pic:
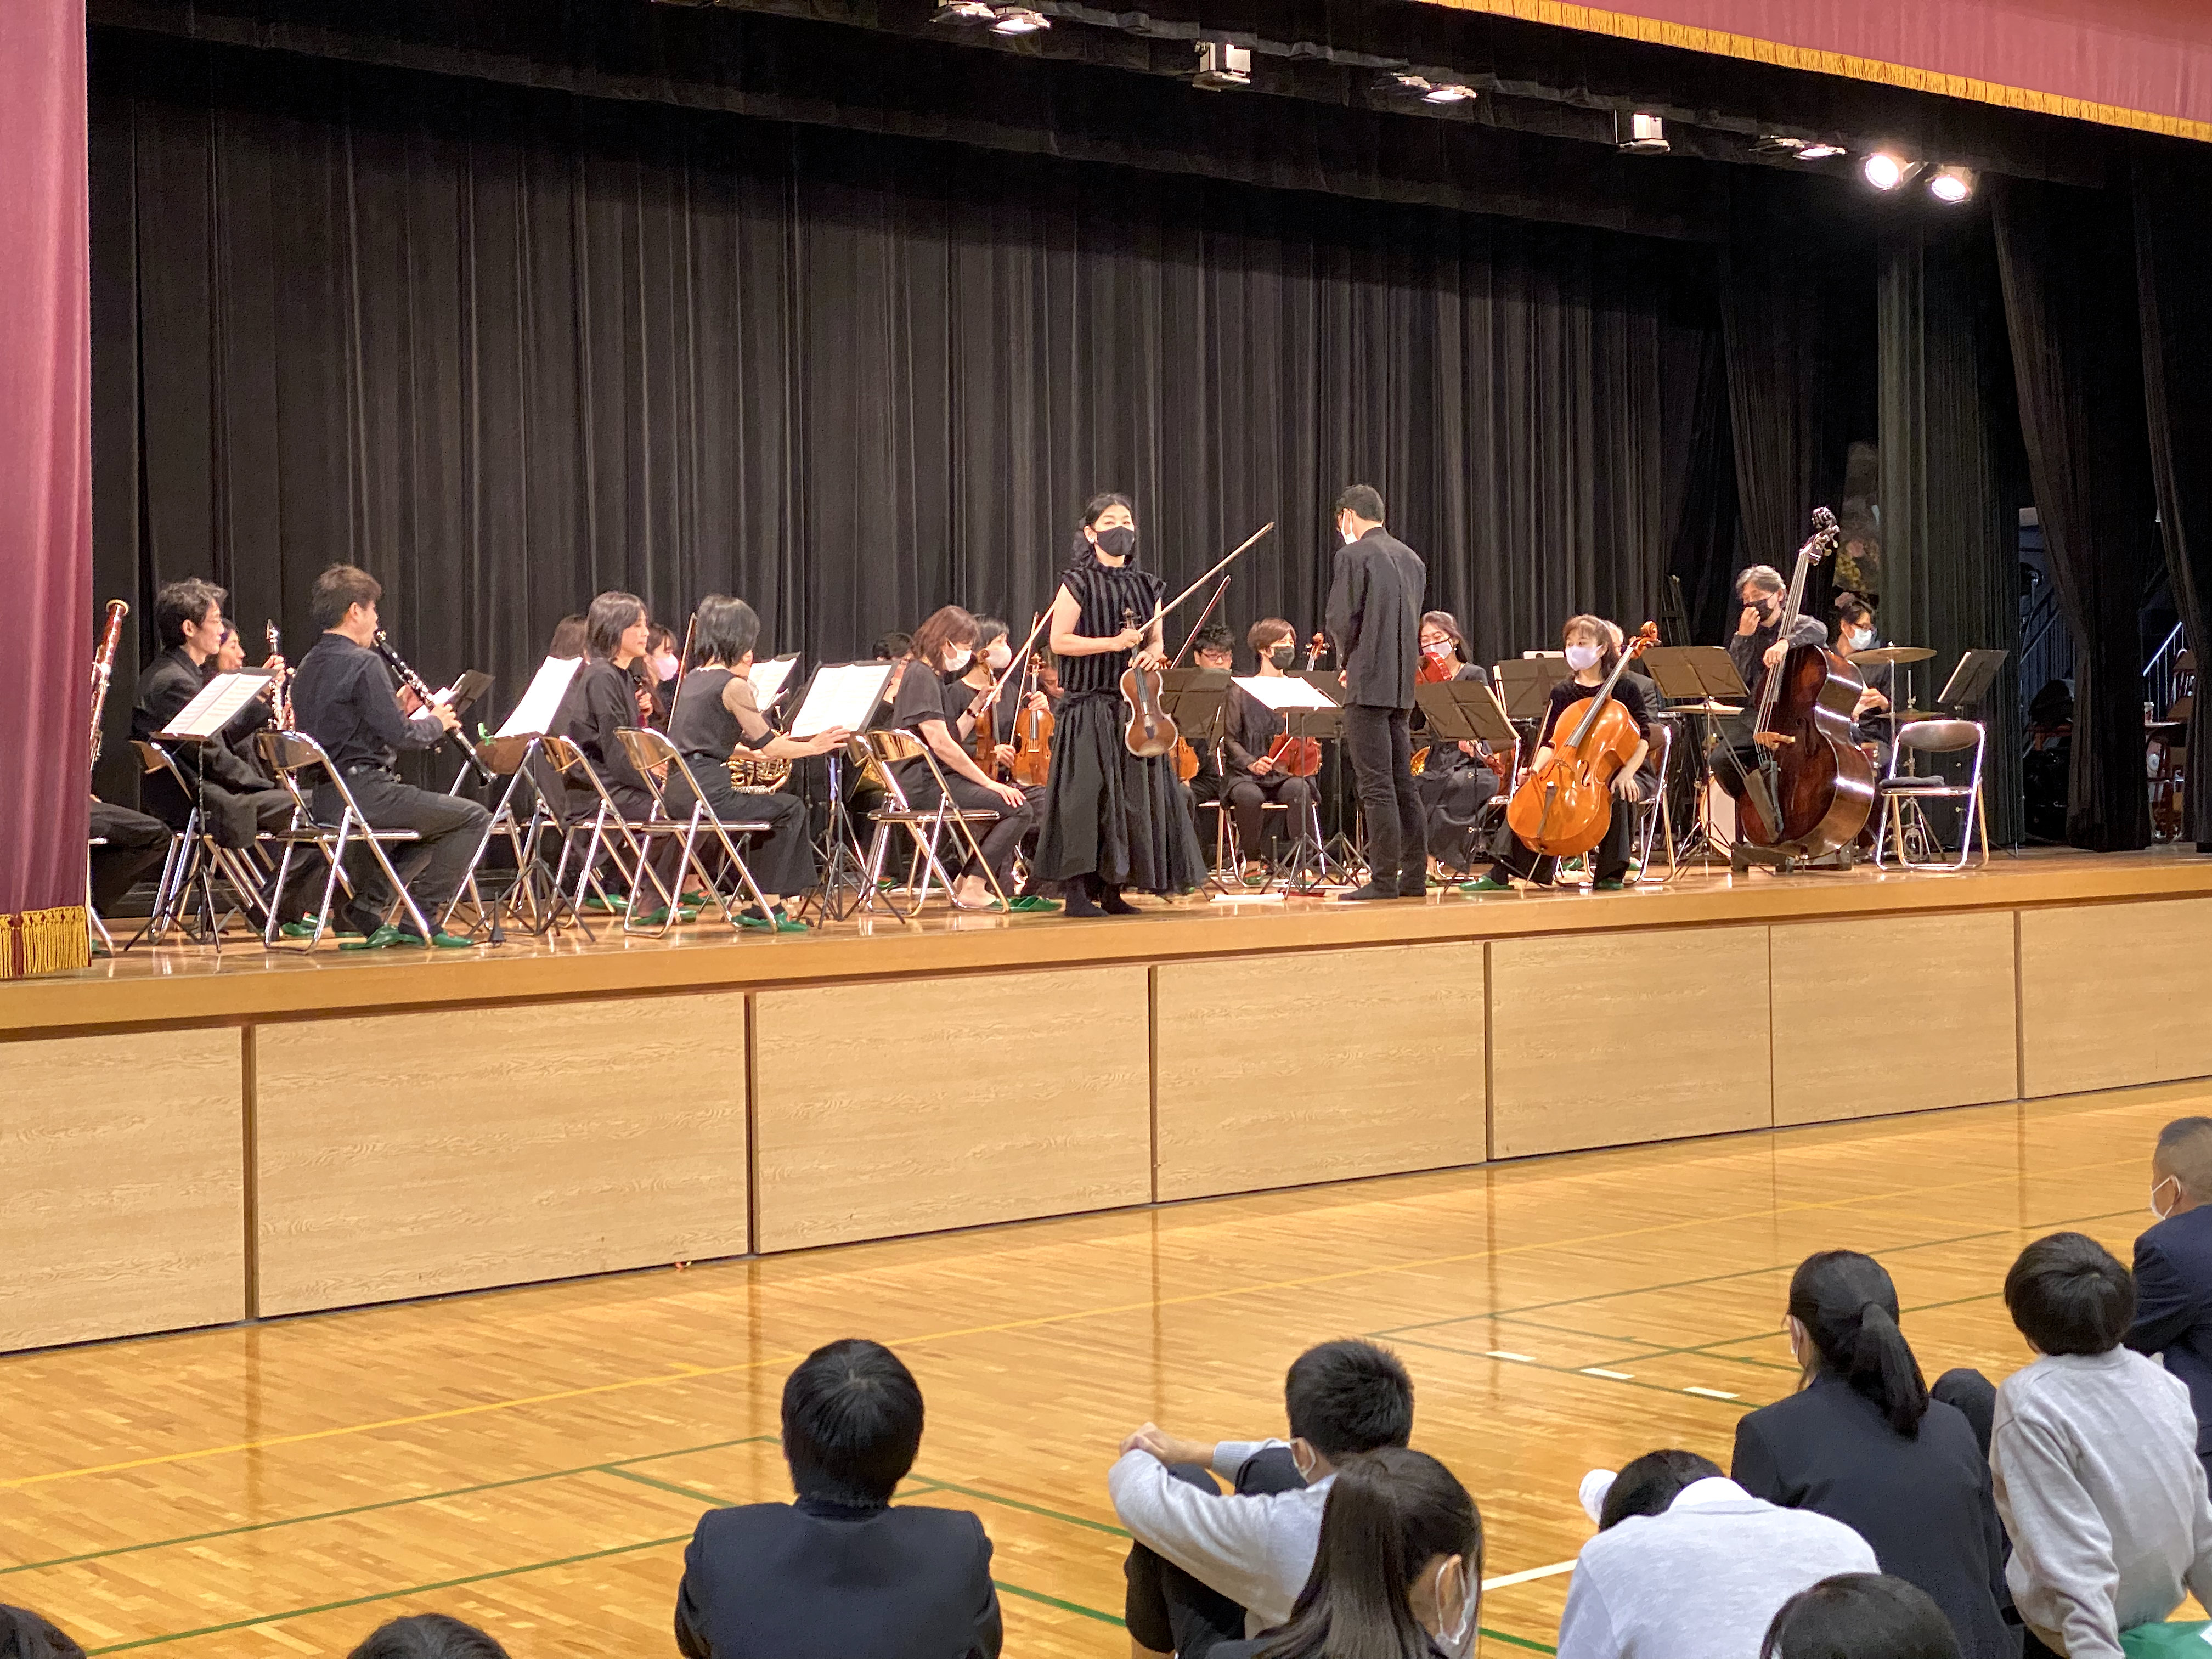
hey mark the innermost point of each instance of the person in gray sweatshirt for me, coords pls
(2093, 1457)
(1687, 1564)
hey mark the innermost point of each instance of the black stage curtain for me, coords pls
(2174, 250)
(2067, 261)
(506, 347)
(1950, 514)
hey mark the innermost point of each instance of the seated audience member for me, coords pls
(839, 1573)
(1862, 1442)
(1398, 1574)
(2174, 1267)
(1687, 1564)
(1209, 1567)
(26, 1634)
(428, 1635)
(2094, 1454)
(1861, 1615)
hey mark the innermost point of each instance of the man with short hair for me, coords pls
(1760, 641)
(1256, 778)
(2093, 1455)
(1209, 1568)
(839, 1573)
(1213, 648)
(2174, 1267)
(1375, 616)
(344, 698)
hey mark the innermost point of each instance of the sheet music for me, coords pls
(533, 716)
(1284, 694)
(219, 700)
(843, 696)
(771, 679)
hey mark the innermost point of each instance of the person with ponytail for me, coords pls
(1861, 1442)
(1398, 1573)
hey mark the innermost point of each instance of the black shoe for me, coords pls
(1412, 887)
(1111, 901)
(1078, 902)
(1371, 891)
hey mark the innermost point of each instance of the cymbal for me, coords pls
(1893, 653)
(1708, 707)
(1906, 716)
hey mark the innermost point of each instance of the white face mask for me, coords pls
(1860, 638)
(1458, 1642)
(1344, 528)
(957, 659)
(1582, 657)
(998, 656)
(2163, 1181)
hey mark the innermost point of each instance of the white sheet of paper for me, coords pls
(219, 700)
(533, 715)
(1286, 693)
(769, 680)
(843, 695)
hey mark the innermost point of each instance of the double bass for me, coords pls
(1810, 789)
(1564, 806)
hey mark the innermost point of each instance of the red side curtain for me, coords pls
(45, 487)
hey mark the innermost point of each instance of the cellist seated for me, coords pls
(1592, 656)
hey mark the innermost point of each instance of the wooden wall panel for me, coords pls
(906, 1107)
(124, 1207)
(1318, 1065)
(408, 1154)
(2116, 995)
(1919, 1012)
(1627, 1038)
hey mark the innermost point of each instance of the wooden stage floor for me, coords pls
(534, 1459)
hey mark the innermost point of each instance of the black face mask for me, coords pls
(1118, 543)
(1284, 655)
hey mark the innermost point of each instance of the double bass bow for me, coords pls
(1565, 804)
(1809, 788)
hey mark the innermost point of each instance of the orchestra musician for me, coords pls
(1112, 819)
(1255, 778)
(1591, 657)
(1856, 632)
(715, 713)
(1454, 783)
(938, 707)
(1373, 615)
(659, 667)
(344, 698)
(1213, 648)
(602, 699)
(1761, 642)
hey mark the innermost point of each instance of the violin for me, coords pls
(1186, 758)
(1432, 672)
(1151, 734)
(1565, 806)
(1032, 732)
(986, 740)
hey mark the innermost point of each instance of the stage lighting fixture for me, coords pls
(1952, 184)
(1640, 134)
(1447, 92)
(964, 12)
(1819, 152)
(1885, 171)
(1019, 20)
(1801, 149)
(1222, 66)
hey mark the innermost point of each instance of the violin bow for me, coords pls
(1250, 541)
(1193, 636)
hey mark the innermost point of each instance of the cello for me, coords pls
(1810, 789)
(1564, 806)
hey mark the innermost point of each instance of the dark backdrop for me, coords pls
(506, 347)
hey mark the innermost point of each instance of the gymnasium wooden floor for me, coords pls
(533, 1460)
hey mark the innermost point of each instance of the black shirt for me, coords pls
(1103, 593)
(602, 702)
(342, 697)
(1566, 694)
(1253, 727)
(1748, 650)
(173, 680)
(1375, 617)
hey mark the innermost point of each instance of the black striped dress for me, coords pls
(1107, 811)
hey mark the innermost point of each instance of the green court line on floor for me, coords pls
(1032, 1509)
(613, 1468)
(1578, 1370)
(1518, 1641)
(1113, 1618)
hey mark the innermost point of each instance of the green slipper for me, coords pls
(382, 939)
(442, 939)
(298, 929)
(1483, 885)
(1031, 902)
(1610, 884)
(612, 905)
(779, 922)
(655, 918)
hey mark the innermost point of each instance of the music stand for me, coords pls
(1465, 711)
(852, 696)
(199, 723)
(1703, 674)
(1970, 680)
(1524, 686)
(1197, 701)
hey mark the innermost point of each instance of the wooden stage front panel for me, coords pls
(192, 1138)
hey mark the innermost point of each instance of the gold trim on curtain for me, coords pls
(44, 942)
(1657, 32)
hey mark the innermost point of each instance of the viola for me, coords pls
(1151, 734)
(1565, 806)
(1433, 671)
(987, 739)
(1032, 732)
(1186, 760)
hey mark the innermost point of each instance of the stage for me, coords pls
(199, 1138)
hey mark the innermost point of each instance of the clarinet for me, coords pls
(280, 697)
(103, 667)
(415, 683)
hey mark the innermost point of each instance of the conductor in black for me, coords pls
(1375, 617)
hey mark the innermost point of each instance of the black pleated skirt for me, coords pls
(1108, 812)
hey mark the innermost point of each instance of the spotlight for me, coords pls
(1222, 66)
(1885, 171)
(1819, 152)
(1953, 185)
(1019, 20)
(1801, 149)
(1641, 134)
(963, 12)
(1447, 92)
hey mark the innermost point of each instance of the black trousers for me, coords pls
(783, 861)
(1169, 1611)
(1609, 859)
(136, 845)
(1247, 796)
(451, 827)
(1451, 798)
(1001, 840)
(1378, 742)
